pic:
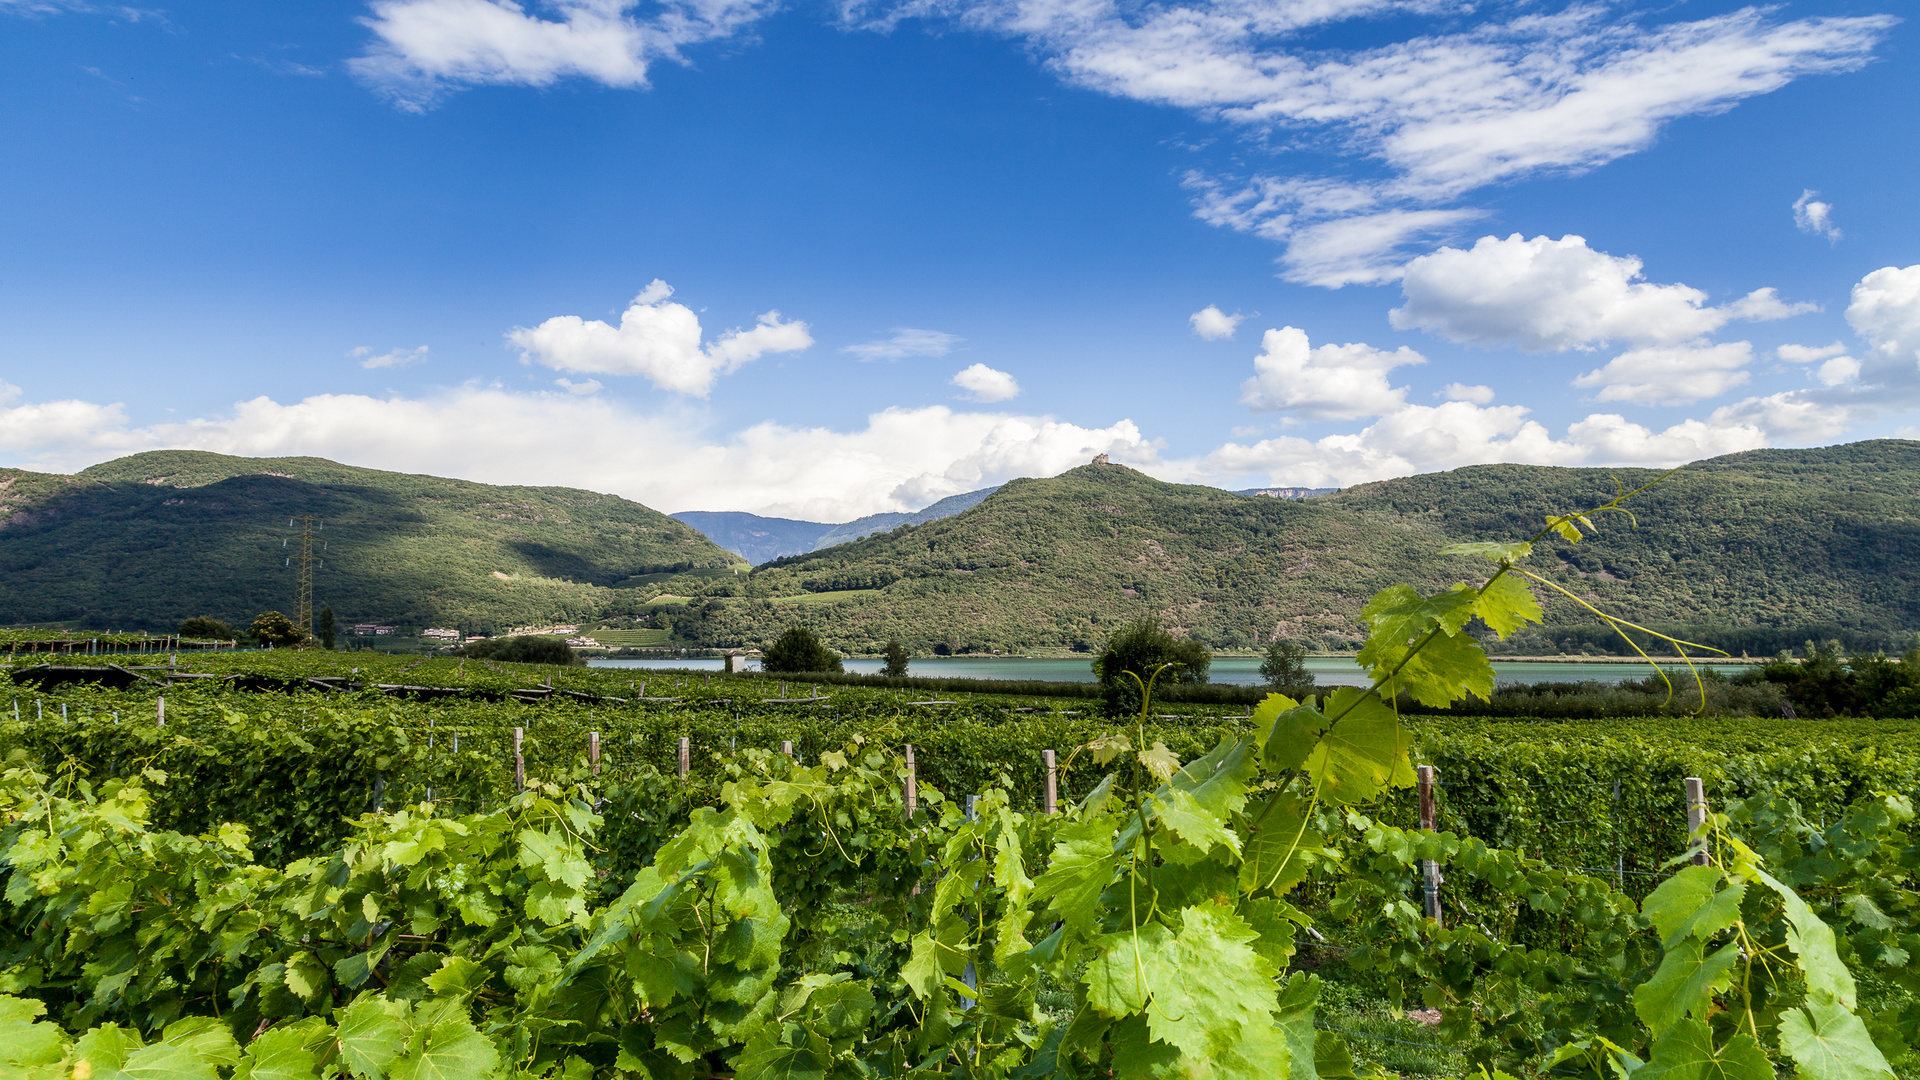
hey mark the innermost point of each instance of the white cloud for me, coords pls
(902, 459)
(657, 339)
(1332, 382)
(422, 48)
(1213, 324)
(1552, 295)
(1805, 354)
(1444, 110)
(390, 358)
(1886, 311)
(1671, 375)
(1479, 395)
(1813, 216)
(906, 342)
(1838, 371)
(590, 386)
(984, 384)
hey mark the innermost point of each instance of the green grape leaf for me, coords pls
(1829, 1042)
(767, 1058)
(1218, 779)
(279, 1053)
(1506, 605)
(921, 973)
(104, 1050)
(1687, 903)
(1298, 996)
(1363, 753)
(449, 1050)
(457, 977)
(1137, 1055)
(1565, 527)
(30, 1049)
(206, 1037)
(1117, 978)
(1201, 830)
(1686, 1052)
(370, 1036)
(1812, 941)
(1082, 866)
(1274, 855)
(1232, 1004)
(1506, 554)
(1291, 733)
(1107, 747)
(1685, 983)
(306, 976)
(842, 1008)
(1159, 762)
(163, 1061)
(1417, 641)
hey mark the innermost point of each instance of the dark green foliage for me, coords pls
(524, 649)
(1286, 665)
(797, 649)
(1148, 650)
(326, 628)
(897, 657)
(131, 543)
(1828, 683)
(206, 628)
(273, 629)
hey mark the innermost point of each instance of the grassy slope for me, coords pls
(1785, 538)
(144, 540)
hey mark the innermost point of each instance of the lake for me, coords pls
(1230, 670)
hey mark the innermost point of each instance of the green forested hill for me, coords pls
(1755, 550)
(145, 540)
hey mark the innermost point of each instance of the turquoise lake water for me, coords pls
(1232, 670)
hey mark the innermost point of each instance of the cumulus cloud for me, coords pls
(1814, 216)
(1332, 382)
(657, 339)
(1545, 295)
(984, 384)
(906, 342)
(390, 358)
(1671, 375)
(1886, 312)
(1213, 324)
(1479, 395)
(423, 48)
(900, 459)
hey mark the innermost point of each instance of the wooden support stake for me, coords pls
(1696, 817)
(519, 759)
(786, 747)
(1429, 870)
(1050, 802)
(911, 794)
(686, 756)
(160, 709)
(593, 751)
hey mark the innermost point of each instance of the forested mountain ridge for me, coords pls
(145, 540)
(763, 539)
(1758, 548)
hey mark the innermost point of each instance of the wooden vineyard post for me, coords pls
(686, 756)
(593, 751)
(911, 792)
(1429, 870)
(1050, 800)
(160, 711)
(786, 747)
(430, 735)
(1696, 817)
(519, 759)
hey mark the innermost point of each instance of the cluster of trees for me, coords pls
(523, 649)
(1830, 683)
(269, 628)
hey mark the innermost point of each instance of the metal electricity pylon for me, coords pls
(307, 560)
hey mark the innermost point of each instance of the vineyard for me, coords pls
(303, 864)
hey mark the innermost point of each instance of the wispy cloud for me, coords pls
(1811, 215)
(905, 342)
(390, 358)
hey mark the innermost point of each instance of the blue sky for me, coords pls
(823, 260)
